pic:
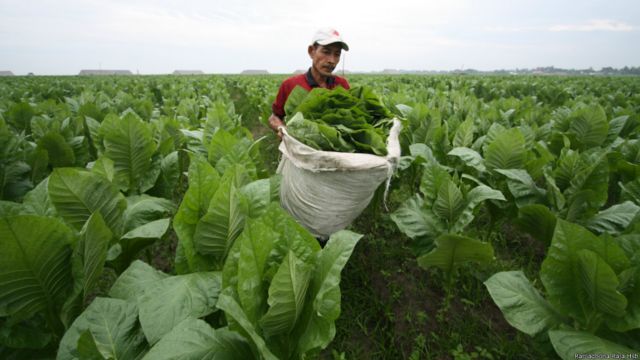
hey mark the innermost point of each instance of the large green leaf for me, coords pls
(449, 203)
(128, 142)
(90, 254)
(589, 125)
(228, 304)
(137, 239)
(506, 151)
(113, 324)
(203, 183)
(415, 221)
(561, 274)
(223, 222)
(464, 134)
(521, 304)
(164, 304)
(255, 244)
(35, 271)
(317, 328)
(432, 178)
(470, 157)
(37, 201)
(60, 154)
(286, 296)
(142, 209)
(259, 194)
(569, 344)
(600, 283)
(590, 182)
(453, 250)
(194, 339)
(538, 221)
(631, 320)
(522, 187)
(615, 219)
(477, 195)
(133, 281)
(104, 166)
(77, 194)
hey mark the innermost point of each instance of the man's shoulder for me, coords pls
(294, 80)
(342, 81)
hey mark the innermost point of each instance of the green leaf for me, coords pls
(449, 203)
(166, 303)
(255, 244)
(258, 195)
(538, 221)
(142, 209)
(220, 226)
(37, 201)
(415, 221)
(139, 238)
(317, 327)
(203, 183)
(194, 339)
(128, 142)
(453, 250)
(522, 305)
(615, 219)
(464, 134)
(77, 194)
(433, 177)
(563, 277)
(474, 198)
(631, 320)
(589, 125)
(105, 167)
(571, 343)
(297, 95)
(91, 252)
(522, 186)
(600, 283)
(506, 151)
(232, 309)
(133, 281)
(35, 271)
(60, 154)
(88, 348)
(286, 296)
(114, 326)
(470, 157)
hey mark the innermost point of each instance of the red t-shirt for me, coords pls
(307, 82)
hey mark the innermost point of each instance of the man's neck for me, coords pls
(320, 79)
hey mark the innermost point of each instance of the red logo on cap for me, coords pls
(336, 33)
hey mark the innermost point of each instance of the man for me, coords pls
(324, 51)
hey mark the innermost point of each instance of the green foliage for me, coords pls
(341, 120)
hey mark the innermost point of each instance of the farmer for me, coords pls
(324, 51)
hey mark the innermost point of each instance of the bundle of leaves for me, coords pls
(341, 120)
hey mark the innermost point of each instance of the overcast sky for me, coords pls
(150, 37)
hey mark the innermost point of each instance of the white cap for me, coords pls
(326, 36)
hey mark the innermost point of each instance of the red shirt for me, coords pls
(305, 80)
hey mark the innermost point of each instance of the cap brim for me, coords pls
(327, 42)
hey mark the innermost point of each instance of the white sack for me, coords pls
(325, 190)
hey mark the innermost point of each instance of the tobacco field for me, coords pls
(140, 219)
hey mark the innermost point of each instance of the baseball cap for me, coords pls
(326, 36)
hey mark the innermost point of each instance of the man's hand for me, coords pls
(276, 124)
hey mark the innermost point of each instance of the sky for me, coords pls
(155, 37)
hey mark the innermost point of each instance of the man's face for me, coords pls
(325, 58)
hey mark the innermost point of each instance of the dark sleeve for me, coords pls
(278, 104)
